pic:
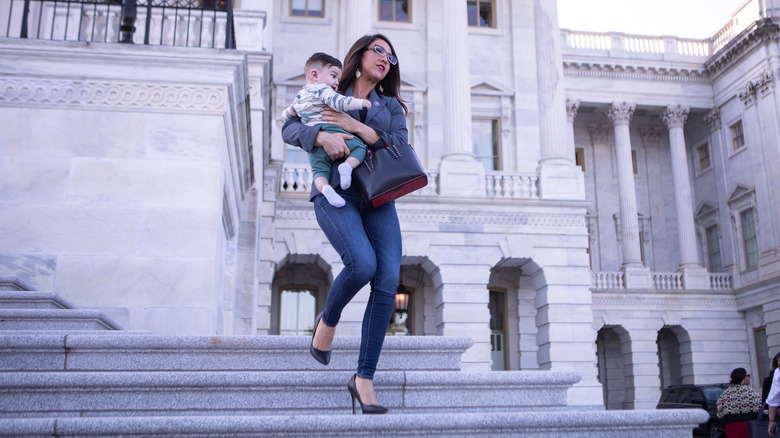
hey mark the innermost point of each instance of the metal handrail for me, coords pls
(189, 23)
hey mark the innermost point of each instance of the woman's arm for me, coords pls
(383, 130)
(308, 137)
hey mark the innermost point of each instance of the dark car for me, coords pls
(692, 397)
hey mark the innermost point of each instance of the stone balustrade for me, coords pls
(616, 43)
(662, 281)
(296, 178)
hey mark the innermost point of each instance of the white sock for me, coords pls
(333, 198)
(345, 175)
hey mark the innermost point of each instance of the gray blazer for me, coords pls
(386, 117)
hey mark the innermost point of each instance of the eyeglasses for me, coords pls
(382, 52)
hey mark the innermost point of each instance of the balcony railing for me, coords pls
(297, 178)
(190, 23)
(619, 43)
(662, 281)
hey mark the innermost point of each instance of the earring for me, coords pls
(357, 73)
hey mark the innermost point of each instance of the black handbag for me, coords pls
(389, 173)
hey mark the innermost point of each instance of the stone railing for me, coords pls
(511, 185)
(668, 281)
(608, 281)
(662, 281)
(721, 282)
(615, 43)
(297, 178)
(739, 21)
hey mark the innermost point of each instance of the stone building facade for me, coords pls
(604, 203)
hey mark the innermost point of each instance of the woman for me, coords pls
(367, 239)
(738, 404)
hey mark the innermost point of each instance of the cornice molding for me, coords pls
(615, 70)
(608, 300)
(761, 31)
(58, 92)
(460, 218)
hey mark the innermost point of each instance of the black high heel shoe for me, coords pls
(320, 356)
(367, 409)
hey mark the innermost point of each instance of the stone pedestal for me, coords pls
(461, 177)
(637, 277)
(696, 278)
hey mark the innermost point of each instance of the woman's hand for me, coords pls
(347, 123)
(340, 119)
(334, 144)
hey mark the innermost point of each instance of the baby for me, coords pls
(322, 79)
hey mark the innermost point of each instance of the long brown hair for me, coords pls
(389, 86)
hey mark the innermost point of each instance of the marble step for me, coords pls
(55, 319)
(667, 423)
(14, 299)
(119, 351)
(156, 393)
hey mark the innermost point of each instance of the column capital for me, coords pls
(675, 115)
(620, 113)
(572, 106)
(712, 119)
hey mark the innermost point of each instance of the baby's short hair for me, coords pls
(321, 60)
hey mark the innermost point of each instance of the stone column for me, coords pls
(459, 173)
(636, 275)
(620, 114)
(356, 18)
(674, 117)
(559, 178)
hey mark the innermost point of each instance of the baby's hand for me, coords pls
(366, 104)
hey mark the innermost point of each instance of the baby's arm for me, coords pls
(289, 113)
(339, 102)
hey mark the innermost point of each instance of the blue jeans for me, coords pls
(369, 243)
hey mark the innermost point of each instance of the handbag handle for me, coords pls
(392, 149)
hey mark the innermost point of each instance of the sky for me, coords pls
(683, 18)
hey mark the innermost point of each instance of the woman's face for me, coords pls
(374, 65)
(746, 380)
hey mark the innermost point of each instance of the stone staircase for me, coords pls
(62, 378)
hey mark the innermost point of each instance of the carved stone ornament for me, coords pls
(765, 82)
(598, 133)
(712, 119)
(675, 115)
(651, 135)
(111, 94)
(620, 113)
(572, 106)
(748, 96)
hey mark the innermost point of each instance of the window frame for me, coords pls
(710, 253)
(700, 158)
(312, 289)
(306, 14)
(741, 136)
(746, 252)
(494, 15)
(496, 143)
(579, 158)
(394, 21)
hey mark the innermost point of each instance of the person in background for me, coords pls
(738, 404)
(773, 395)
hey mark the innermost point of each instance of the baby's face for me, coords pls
(330, 76)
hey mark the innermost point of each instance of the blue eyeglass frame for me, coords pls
(379, 50)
